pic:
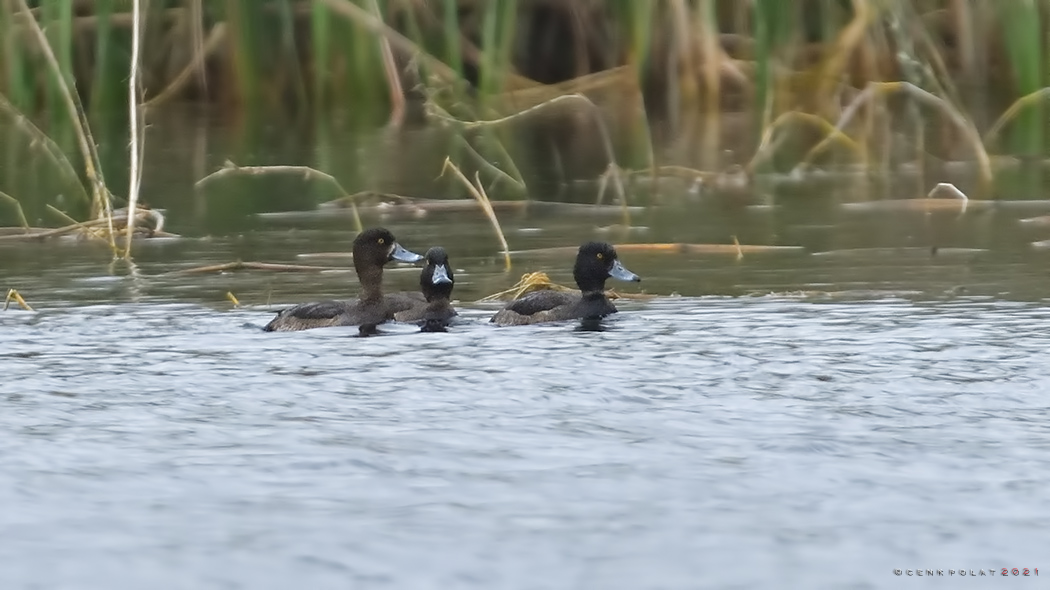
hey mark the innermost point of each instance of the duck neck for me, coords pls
(371, 279)
(591, 289)
(593, 294)
(594, 304)
(437, 293)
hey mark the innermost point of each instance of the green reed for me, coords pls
(496, 39)
(58, 19)
(321, 57)
(272, 68)
(247, 56)
(17, 82)
(1021, 23)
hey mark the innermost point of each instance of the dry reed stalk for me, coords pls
(842, 49)
(13, 295)
(947, 190)
(40, 234)
(489, 167)
(736, 249)
(831, 132)
(539, 281)
(681, 70)
(18, 209)
(396, 40)
(478, 192)
(213, 42)
(713, 55)
(92, 165)
(1012, 112)
(200, 45)
(964, 28)
(531, 281)
(239, 265)
(393, 79)
(134, 172)
(536, 94)
(87, 227)
(612, 170)
(876, 89)
(50, 148)
(504, 156)
(308, 173)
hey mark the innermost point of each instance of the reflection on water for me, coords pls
(809, 418)
(692, 443)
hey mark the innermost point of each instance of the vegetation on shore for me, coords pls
(869, 84)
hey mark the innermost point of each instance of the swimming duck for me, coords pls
(435, 283)
(372, 249)
(595, 262)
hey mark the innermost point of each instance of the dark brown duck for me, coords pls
(436, 281)
(372, 249)
(595, 262)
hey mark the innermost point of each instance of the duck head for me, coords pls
(372, 249)
(596, 262)
(436, 280)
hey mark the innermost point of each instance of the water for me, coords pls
(810, 419)
(717, 443)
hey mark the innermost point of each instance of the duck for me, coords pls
(372, 249)
(435, 283)
(595, 262)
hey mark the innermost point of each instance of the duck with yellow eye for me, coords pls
(372, 249)
(595, 262)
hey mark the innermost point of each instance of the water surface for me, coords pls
(692, 443)
(818, 418)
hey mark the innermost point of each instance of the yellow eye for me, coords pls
(601, 256)
(381, 241)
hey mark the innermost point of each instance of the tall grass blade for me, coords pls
(1021, 22)
(321, 40)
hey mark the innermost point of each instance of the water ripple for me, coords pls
(760, 442)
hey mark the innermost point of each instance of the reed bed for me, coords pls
(824, 84)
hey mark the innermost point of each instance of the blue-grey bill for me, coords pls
(401, 255)
(440, 275)
(619, 272)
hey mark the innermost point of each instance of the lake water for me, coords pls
(812, 419)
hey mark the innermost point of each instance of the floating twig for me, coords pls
(539, 281)
(735, 249)
(84, 227)
(88, 226)
(13, 295)
(239, 265)
(529, 282)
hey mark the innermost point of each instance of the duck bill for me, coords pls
(619, 272)
(401, 255)
(441, 275)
